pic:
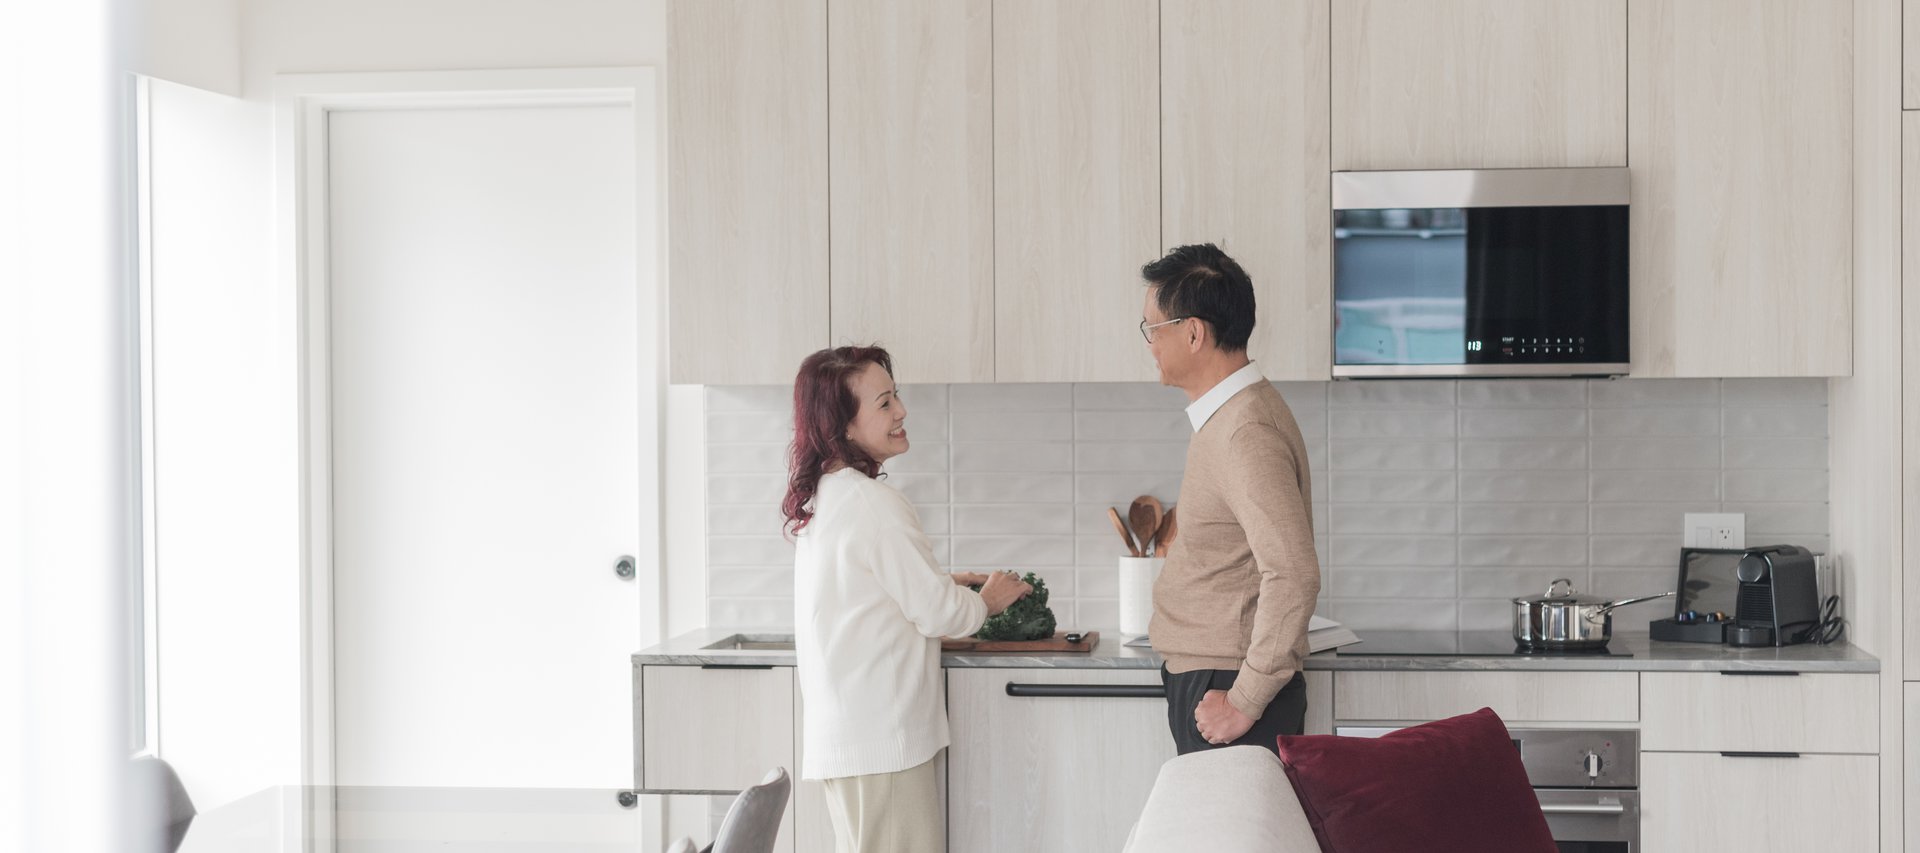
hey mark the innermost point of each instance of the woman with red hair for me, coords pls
(870, 607)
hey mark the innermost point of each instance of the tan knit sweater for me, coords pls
(1240, 581)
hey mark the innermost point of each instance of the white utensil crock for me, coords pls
(1137, 575)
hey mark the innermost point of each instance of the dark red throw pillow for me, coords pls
(1449, 785)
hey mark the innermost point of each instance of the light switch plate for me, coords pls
(1714, 530)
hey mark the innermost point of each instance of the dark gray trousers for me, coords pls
(1285, 715)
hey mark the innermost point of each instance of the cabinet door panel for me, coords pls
(747, 188)
(1910, 377)
(1319, 703)
(1076, 200)
(714, 729)
(1706, 801)
(911, 94)
(1740, 137)
(1515, 696)
(1479, 84)
(1243, 131)
(1911, 51)
(1912, 774)
(1046, 773)
(1710, 711)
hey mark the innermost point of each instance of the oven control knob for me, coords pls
(1593, 764)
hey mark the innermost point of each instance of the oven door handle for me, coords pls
(1583, 808)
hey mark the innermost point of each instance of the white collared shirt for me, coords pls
(1202, 409)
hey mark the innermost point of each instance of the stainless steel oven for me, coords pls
(1587, 781)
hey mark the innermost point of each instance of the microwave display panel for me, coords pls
(1497, 286)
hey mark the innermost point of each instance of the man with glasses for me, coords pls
(1231, 607)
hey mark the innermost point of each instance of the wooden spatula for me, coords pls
(1124, 535)
(1144, 516)
(1169, 528)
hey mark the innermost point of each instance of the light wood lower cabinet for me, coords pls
(1518, 697)
(1807, 712)
(1692, 801)
(720, 730)
(1319, 703)
(1060, 774)
(714, 729)
(1911, 790)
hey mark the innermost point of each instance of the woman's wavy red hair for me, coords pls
(823, 406)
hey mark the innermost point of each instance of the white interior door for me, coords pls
(485, 353)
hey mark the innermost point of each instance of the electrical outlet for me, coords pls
(1714, 530)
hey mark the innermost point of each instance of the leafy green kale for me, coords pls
(1026, 619)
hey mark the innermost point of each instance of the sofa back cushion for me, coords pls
(1229, 800)
(1450, 785)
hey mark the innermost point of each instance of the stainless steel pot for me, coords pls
(1569, 620)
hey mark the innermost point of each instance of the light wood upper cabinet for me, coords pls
(1910, 14)
(1479, 84)
(911, 140)
(1243, 136)
(1741, 144)
(1076, 202)
(1910, 380)
(747, 188)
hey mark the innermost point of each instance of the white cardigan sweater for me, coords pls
(870, 606)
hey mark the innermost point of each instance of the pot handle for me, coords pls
(1556, 584)
(1626, 601)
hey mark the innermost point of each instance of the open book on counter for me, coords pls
(1322, 634)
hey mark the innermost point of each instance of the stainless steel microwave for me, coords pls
(1480, 272)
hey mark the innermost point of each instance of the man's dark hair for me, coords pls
(1201, 281)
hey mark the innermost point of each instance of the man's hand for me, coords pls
(969, 578)
(1217, 720)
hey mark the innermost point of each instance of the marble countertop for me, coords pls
(690, 649)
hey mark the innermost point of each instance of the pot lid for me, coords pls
(1561, 591)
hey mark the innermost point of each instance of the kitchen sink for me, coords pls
(753, 643)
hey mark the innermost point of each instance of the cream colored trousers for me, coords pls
(895, 812)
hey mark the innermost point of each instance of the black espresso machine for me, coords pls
(1767, 596)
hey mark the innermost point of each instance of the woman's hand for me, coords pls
(1002, 589)
(969, 578)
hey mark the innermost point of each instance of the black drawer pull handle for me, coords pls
(736, 666)
(1758, 672)
(1087, 691)
(1759, 755)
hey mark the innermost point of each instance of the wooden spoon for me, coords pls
(1124, 535)
(1144, 515)
(1169, 528)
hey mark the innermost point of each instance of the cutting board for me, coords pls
(1058, 643)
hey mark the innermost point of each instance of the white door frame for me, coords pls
(303, 103)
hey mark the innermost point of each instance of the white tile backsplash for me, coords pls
(1434, 501)
(1802, 453)
(1639, 423)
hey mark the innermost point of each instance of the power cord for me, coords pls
(1830, 626)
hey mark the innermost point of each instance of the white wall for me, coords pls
(192, 42)
(227, 501)
(67, 436)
